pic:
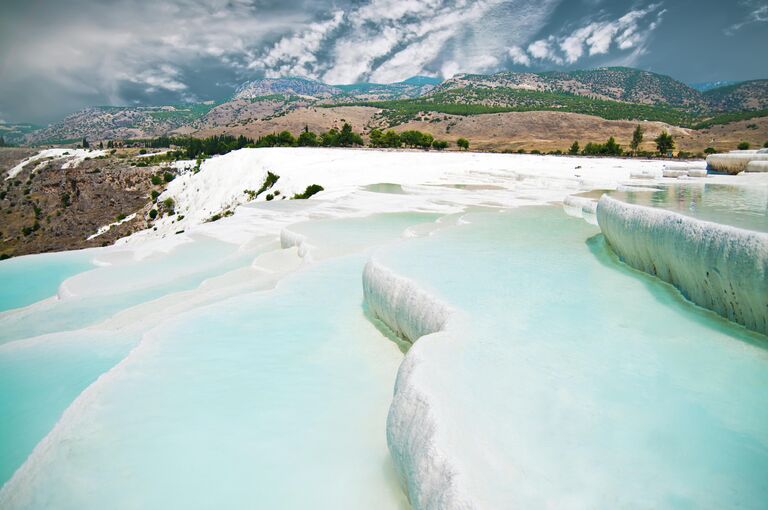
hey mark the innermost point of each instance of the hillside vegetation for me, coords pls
(610, 93)
(614, 93)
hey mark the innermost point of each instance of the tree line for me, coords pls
(193, 148)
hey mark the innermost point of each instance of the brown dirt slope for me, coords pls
(316, 119)
(55, 209)
(544, 131)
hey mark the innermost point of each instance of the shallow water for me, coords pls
(38, 380)
(25, 280)
(570, 381)
(238, 403)
(385, 187)
(740, 206)
(268, 400)
(104, 291)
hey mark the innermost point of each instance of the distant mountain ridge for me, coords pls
(307, 88)
(746, 95)
(709, 85)
(16, 133)
(610, 93)
(610, 83)
(119, 122)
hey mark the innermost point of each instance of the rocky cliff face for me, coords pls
(50, 208)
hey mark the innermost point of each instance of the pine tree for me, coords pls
(637, 138)
(611, 148)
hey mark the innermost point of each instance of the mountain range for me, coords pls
(614, 93)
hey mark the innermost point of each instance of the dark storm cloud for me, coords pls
(56, 57)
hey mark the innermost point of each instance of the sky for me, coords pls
(58, 56)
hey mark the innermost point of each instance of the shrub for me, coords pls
(710, 150)
(765, 145)
(311, 190)
(168, 177)
(391, 139)
(153, 214)
(308, 139)
(168, 206)
(154, 194)
(439, 145)
(592, 149)
(462, 143)
(743, 146)
(609, 148)
(286, 139)
(664, 143)
(521, 151)
(156, 180)
(330, 138)
(269, 181)
(574, 150)
(120, 217)
(269, 197)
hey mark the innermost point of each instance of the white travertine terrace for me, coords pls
(734, 162)
(719, 267)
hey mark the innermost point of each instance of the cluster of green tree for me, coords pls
(411, 138)
(345, 137)
(217, 144)
(192, 148)
(609, 148)
(664, 144)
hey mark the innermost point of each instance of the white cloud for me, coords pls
(629, 32)
(573, 45)
(543, 50)
(390, 40)
(295, 55)
(757, 13)
(519, 56)
(163, 77)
